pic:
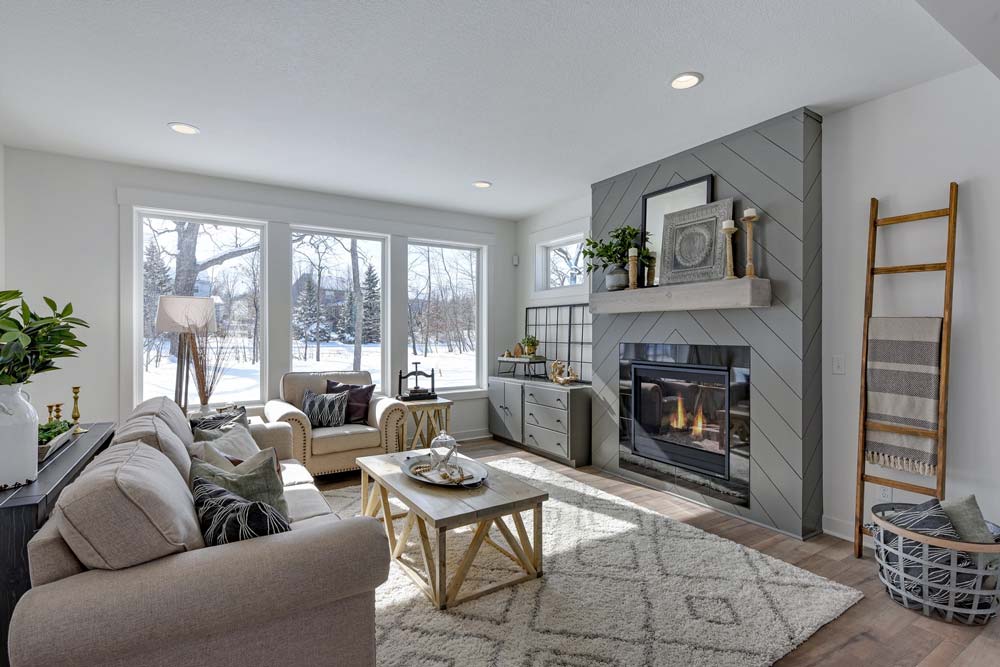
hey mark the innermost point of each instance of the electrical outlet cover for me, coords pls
(838, 365)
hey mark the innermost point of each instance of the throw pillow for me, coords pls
(226, 517)
(325, 409)
(968, 520)
(359, 397)
(230, 463)
(220, 420)
(235, 442)
(254, 479)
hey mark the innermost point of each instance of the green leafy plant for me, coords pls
(30, 343)
(529, 341)
(602, 254)
(47, 432)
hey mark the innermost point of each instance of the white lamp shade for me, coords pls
(180, 314)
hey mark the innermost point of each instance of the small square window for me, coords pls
(564, 264)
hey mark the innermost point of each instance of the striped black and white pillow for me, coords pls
(325, 409)
(928, 518)
(220, 420)
(226, 517)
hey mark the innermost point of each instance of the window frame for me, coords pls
(482, 344)
(136, 272)
(540, 281)
(384, 386)
(547, 268)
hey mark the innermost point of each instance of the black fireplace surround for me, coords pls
(685, 416)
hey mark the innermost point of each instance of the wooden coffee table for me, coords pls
(435, 510)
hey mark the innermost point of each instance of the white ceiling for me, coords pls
(412, 101)
(975, 23)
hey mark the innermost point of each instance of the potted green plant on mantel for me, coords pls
(29, 344)
(611, 256)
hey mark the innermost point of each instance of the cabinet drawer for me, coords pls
(550, 418)
(544, 439)
(553, 398)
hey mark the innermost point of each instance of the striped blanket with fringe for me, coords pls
(904, 367)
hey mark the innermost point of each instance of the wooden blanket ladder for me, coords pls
(940, 435)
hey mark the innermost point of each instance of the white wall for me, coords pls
(3, 224)
(555, 222)
(904, 149)
(63, 238)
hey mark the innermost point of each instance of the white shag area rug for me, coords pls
(623, 585)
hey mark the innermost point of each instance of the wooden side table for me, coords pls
(429, 418)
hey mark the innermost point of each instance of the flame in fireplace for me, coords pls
(699, 423)
(679, 419)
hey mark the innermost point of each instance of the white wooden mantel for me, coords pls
(714, 295)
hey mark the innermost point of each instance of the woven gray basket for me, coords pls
(951, 579)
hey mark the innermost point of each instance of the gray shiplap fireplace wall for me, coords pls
(774, 167)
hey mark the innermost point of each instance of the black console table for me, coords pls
(23, 511)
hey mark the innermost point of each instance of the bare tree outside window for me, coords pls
(212, 259)
(336, 303)
(444, 312)
(565, 264)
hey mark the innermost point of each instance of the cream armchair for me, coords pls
(334, 449)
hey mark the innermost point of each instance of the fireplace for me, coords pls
(681, 416)
(685, 415)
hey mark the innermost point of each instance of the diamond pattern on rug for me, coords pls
(623, 586)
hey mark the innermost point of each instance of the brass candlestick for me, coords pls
(50, 407)
(730, 275)
(58, 407)
(748, 220)
(76, 412)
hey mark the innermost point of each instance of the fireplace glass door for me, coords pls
(681, 416)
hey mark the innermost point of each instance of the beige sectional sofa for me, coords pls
(120, 574)
(334, 449)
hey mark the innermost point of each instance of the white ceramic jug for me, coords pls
(18, 437)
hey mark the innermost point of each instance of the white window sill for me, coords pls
(468, 394)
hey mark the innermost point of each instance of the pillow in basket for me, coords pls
(928, 518)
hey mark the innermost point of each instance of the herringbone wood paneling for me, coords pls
(774, 167)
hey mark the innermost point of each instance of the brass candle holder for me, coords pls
(729, 231)
(76, 412)
(749, 217)
(51, 408)
(58, 407)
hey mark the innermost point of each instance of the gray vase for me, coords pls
(615, 278)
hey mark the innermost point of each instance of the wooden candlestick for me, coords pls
(633, 268)
(730, 275)
(748, 220)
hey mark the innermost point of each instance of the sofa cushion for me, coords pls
(293, 472)
(344, 438)
(49, 557)
(157, 434)
(324, 409)
(226, 517)
(128, 507)
(170, 413)
(213, 421)
(305, 501)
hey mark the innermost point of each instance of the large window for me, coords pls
(564, 264)
(207, 258)
(336, 303)
(444, 312)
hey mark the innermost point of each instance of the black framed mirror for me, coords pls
(671, 199)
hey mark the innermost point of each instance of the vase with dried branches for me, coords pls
(209, 354)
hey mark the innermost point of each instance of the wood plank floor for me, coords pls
(874, 631)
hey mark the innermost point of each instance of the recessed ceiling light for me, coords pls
(482, 185)
(183, 128)
(686, 80)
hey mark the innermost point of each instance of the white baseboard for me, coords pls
(472, 434)
(842, 528)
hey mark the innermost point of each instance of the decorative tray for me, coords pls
(474, 473)
(53, 445)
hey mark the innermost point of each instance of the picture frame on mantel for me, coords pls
(694, 245)
(673, 198)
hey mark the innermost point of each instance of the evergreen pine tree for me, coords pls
(156, 281)
(346, 328)
(372, 292)
(307, 320)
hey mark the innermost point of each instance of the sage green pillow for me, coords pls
(254, 479)
(968, 520)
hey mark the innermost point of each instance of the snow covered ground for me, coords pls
(241, 382)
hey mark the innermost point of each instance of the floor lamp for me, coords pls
(184, 315)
